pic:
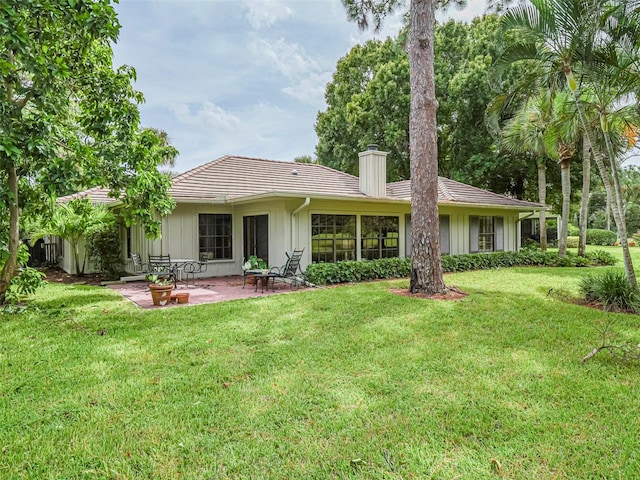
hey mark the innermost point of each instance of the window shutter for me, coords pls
(498, 223)
(445, 247)
(474, 230)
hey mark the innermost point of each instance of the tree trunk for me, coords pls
(622, 224)
(565, 177)
(10, 266)
(542, 198)
(584, 203)
(426, 268)
(598, 157)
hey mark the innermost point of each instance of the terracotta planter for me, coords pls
(160, 294)
(182, 297)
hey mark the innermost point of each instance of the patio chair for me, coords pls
(191, 268)
(161, 266)
(290, 271)
(139, 268)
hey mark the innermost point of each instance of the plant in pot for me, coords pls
(160, 288)
(254, 263)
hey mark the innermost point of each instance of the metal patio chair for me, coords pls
(291, 272)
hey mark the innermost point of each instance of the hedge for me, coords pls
(358, 271)
(597, 236)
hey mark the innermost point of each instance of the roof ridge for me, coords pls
(443, 184)
(486, 191)
(200, 168)
(196, 170)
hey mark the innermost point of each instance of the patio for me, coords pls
(203, 290)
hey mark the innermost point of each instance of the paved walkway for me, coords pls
(203, 290)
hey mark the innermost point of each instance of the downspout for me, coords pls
(304, 205)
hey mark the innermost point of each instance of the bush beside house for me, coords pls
(357, 271)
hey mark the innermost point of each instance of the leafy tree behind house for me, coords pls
(70, 118)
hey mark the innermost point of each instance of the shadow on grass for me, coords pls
(79, 298)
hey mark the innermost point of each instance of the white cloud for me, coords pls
(266, 13)
(290, 59)
(210, 115)
(310, 89)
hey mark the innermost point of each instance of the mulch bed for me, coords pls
(56, 275)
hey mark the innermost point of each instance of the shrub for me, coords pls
(612, 290)
(103, 245)
(356, 271)
(573, 230)
(26, 282)
(600, 257)
(572, 242)
(596, 236)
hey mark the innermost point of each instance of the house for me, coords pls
(234, 207)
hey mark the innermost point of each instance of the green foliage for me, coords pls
(70, 120)
(26, 282)
(104, 248)
(573, 231)
(368, 101)
(596, 236)
(357, 271)
(612, 290)
(255, 263)
(572, 241)
(73, 222)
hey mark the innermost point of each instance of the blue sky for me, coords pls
(239, 77)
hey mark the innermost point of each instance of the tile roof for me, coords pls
(232, 178)
(452, 192)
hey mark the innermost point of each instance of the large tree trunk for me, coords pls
(584, 202)
(542, 198)
(10, 266)
(426, 268)
(565, 178)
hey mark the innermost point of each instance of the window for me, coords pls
(214, 232)
(486, 234)
(333, 238)
(379, 237)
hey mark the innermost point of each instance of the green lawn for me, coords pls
(346, 382)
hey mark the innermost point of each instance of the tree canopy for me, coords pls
(70, 120)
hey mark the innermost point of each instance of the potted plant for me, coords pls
(160, 288)
(251, 266)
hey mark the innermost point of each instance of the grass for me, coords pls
(346, 382)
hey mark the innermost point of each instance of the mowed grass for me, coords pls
(348, 382)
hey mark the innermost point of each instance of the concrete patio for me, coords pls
(203, 290)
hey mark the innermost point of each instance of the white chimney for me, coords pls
(373, 172)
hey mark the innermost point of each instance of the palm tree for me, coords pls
(527, 132)
(72, 222)
(573, 39)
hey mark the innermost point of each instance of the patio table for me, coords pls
(177, 264)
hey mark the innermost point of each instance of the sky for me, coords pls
(239, 77)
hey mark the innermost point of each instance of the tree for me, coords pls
(426, 268)
(72, 222)
(367, 102)
(70, 118)
(595, 42)
(529, 131)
